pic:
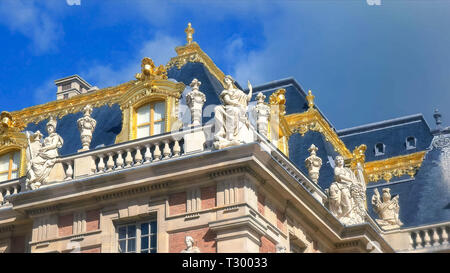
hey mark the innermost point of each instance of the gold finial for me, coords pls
(149, 70)
(189, 31)
(310, 99)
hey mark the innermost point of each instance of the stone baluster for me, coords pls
(426, 238)
(176, 149)
(411, 241)
(128, 159)
(138, 156)
(156, 153)
(15, 189)
(166, 150)
(119, 160)
(435, 237)
(444, 236)
(148, 154)
(101, 163)
(418, 240)
(69, 170)
(110, 162)
(7, 193)
(1, 197)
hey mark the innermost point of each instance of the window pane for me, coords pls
(153, 227)
(160, 110)
(131, 231)
(122, 232)
(16, 160)
(143, 114)
(144, 228)
(4, 162)
(4, 177)
(143, 131)
(144, 242)
(14, 175)
(153, 241)
(144, 251)
(159, 128)
(131, 245)
(122, 246)
(153, 251)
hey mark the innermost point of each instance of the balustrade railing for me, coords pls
(429, 236)
(8, 188)
(133, 153)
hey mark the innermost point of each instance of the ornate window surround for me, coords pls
(12, 140)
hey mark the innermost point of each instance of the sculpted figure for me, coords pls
(86, 125)
(313, 163)
(387, 209)
(195, 100)
(190, 248)
(262, 111)
(230, 116)
(42, 157)
(346, 195)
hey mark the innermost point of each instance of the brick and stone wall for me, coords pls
(208, 197)
(267, 246)
(177, 203)
(65, 225)
(203, 237)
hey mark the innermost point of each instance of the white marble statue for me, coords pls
(195, 100)
(42, 156)
(231, 121)
(262, 111)
(313, 163)
(190, 248)
(347, 194)
(387, 209)
(86, 125)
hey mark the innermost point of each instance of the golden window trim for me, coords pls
(151, 101)
(10, 169)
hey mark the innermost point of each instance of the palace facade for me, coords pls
(183, 159)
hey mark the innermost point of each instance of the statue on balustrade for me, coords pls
(387, 209)
(347, 194)
(231, 120)
(190, 248)
(86, 125)
(41, 156)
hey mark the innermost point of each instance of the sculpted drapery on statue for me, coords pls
(231, 121)
(190, 248)
(347, 194)
(42, 156)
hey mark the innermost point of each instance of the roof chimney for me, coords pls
(71, 86)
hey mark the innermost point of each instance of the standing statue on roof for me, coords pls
(387, 208)
(231, 121)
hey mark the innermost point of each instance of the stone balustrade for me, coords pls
(134, 153)
(429, 236)
(8, 188)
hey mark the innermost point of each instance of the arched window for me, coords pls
(379, 149)
(150, 119)
(410, 142)
(9, 165)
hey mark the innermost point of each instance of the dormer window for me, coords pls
(379, 149)
(410, 143)
(9, 165)
(150, 119)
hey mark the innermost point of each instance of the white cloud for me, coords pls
(32, 21)
(45, 92)
(160, 49)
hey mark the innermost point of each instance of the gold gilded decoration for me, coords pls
(11, 139)
(189, 31)
(310, 99)
(75, 104)
(278, 129)
(149, 71)
(358, 156)
(395, 166)
(312, 120)
(192, 53)
(152, 86)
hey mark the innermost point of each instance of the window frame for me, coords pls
(410, 147)
(152, 121)
(377, 153)
(10, 165)
(138, 235)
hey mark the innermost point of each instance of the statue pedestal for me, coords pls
(194, 142)
(84, 166)
(57, 174)
(245, 135)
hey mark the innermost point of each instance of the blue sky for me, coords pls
(363, 63)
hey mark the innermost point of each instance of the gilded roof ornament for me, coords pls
(310, 99)
(150, 71)
(189, 31)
